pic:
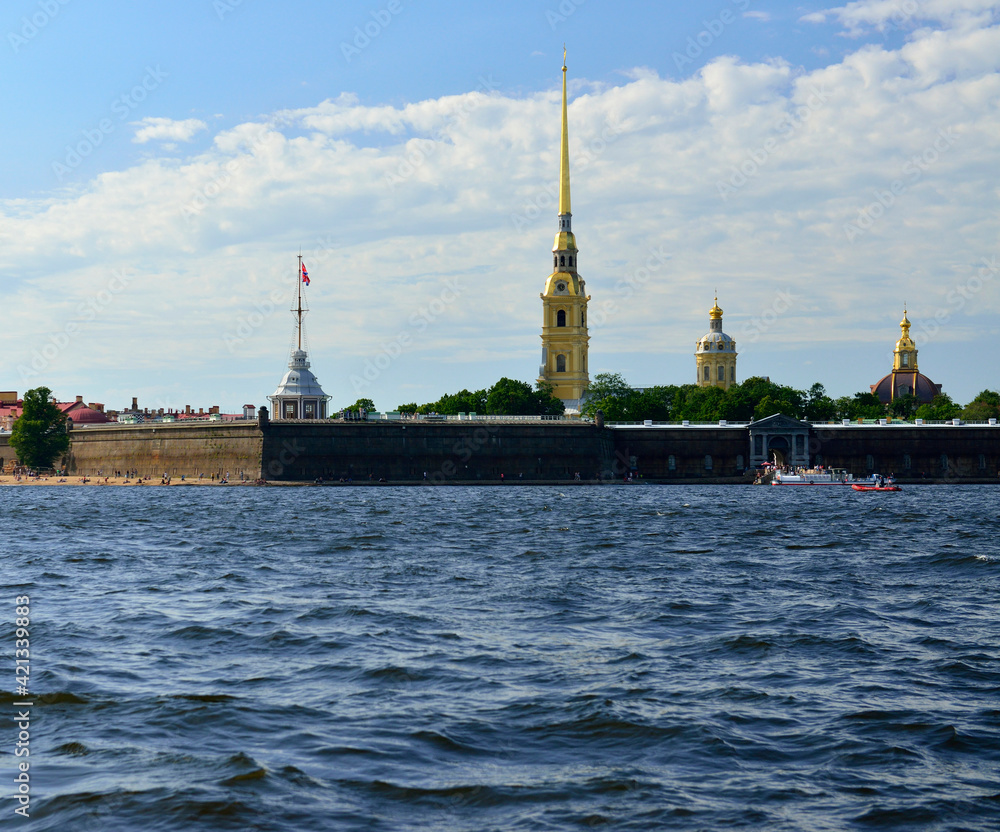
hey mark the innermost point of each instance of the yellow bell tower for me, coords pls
(564, 301)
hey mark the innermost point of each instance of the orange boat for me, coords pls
(857, 487)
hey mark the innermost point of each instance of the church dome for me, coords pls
(898, 384)
(905, 379)
(87, 416)
(715, 340)
(299, 380)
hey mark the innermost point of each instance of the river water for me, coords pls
(506, 658)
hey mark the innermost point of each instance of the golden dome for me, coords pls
(715, 313)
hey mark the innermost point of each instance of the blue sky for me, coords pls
(163, 163)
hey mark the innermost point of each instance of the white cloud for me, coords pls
(160, 129)
(881, 15)
(749, 175)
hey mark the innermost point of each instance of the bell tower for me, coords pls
(564, 301)
(904, 357)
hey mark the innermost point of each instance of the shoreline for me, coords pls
(120, 482)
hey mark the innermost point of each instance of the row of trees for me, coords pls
(508, 397)
(757, 398)
(40, 435)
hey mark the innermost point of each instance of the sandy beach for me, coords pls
(102, 481)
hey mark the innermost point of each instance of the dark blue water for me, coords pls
(617, 657)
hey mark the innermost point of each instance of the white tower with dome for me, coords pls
(299, 395)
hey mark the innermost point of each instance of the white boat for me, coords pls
(813, 476)
(825, 476)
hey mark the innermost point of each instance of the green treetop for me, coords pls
(39, 435)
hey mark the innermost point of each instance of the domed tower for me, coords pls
(905, 379)
(299, 395)
(715, 354)
(564, 302)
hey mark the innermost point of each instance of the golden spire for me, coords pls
(564, 207)
(904, 324)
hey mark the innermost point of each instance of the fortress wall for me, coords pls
(177, 449)
(446, 451)
(942, 453)
(481, 451)
(649, 451)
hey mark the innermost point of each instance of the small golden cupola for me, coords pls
(715, 354)
(565, 340)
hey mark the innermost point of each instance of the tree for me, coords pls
(904, 406)
(941, 408)
(548, 403)
(744, 401)
(769, 406)
(509, 397)
(697, 404)
(819, 407)
(605, 387)
(866, 406)
(39, 435)
(367, 404)
(985, 406)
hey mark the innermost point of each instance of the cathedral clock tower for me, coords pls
(564, 301)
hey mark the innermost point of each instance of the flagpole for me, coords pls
(299, 282)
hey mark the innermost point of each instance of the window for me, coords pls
(583, 319)
(707, 377)
(561, 317)
(758, 446)
(982, 462)
(708, 462)
(944, 462)
(732, 373)
(870, 462)
(906, 462)
(671, 463)
(722, 373)
(560, 363)
(739, 462)
(906, 359)
(571, 261)
(289, 410)
(800, 444)
(562, 260)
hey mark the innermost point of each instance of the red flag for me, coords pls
(305, 274)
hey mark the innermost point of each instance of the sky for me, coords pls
(162, 164)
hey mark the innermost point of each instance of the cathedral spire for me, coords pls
(564, 204)
(564, 301)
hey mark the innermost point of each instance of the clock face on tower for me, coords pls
(560, 287)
